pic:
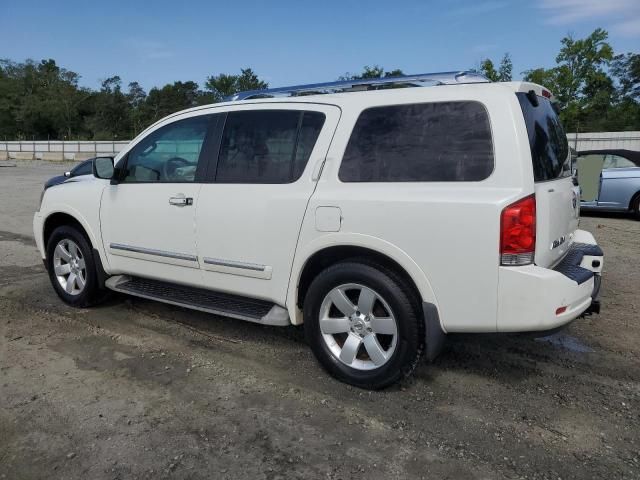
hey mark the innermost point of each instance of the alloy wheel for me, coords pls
(358, 326)
(69, 267)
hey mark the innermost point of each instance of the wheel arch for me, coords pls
(634, 198)
(60, 218)
(331, 249)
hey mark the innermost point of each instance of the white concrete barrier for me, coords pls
(604, 141)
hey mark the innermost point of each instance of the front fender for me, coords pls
(80, 200)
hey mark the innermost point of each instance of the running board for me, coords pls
(218, 303)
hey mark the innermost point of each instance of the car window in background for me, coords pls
(547, 140)
(267, 146)
(423, 142)
(85, 168)
(616, 161)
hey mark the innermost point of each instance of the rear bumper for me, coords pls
(530, 296)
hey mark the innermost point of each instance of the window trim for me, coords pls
(421, 182)
(202, 164)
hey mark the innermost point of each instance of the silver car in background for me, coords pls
(609, 180)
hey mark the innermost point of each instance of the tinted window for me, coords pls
(85, 168)
(267, 146)
(427, 142)
(547, 140)
(170, 154)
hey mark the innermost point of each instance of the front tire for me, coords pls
(363, 324)
(71, 268)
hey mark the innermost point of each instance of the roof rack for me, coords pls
(420, 80)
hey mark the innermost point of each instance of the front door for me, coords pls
(248, 221)
(147, 219)
(614, 187)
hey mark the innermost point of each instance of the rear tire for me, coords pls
(363, 324)
(72, 268)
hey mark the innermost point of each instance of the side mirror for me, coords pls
(103, 168)
(67, 174)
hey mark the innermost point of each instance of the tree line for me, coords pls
(597, 90)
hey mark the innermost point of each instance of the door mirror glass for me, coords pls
(103, 167)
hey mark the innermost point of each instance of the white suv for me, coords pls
(383, 218)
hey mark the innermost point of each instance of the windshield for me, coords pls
(548, 142)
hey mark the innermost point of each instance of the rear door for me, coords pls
(249, 216)
(557, 198)
(618, 182)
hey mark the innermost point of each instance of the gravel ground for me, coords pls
(136, 389)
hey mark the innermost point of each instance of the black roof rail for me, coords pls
(420, 80)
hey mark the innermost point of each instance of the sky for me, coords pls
(291, 42)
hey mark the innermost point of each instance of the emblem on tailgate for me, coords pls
(558, 241)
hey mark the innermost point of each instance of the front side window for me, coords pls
(425, 142)
(267, 146)
(169, 154)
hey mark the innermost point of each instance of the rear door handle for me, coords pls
(180, 201)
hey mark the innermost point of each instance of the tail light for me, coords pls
(518, 232)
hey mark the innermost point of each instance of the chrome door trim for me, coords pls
(151, 251)
(232, 263)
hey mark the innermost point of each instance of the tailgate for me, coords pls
(557, 199)
(557, 208)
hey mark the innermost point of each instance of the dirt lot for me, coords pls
(136, 389)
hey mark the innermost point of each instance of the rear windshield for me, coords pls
(548, 142)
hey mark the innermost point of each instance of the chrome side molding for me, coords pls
(233, 264)
(151, 251)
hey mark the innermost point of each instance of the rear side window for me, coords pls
(425, 142)
(267, 146)
(547, 140)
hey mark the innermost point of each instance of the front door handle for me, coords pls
(180, 201)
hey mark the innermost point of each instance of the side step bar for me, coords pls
(218, 303)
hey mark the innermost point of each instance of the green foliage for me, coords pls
(224, 85)
(627, 69)
(504, 72)
(595, 90)
(506, 69)
(371, 72)
(42, 100)
(488, 70)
